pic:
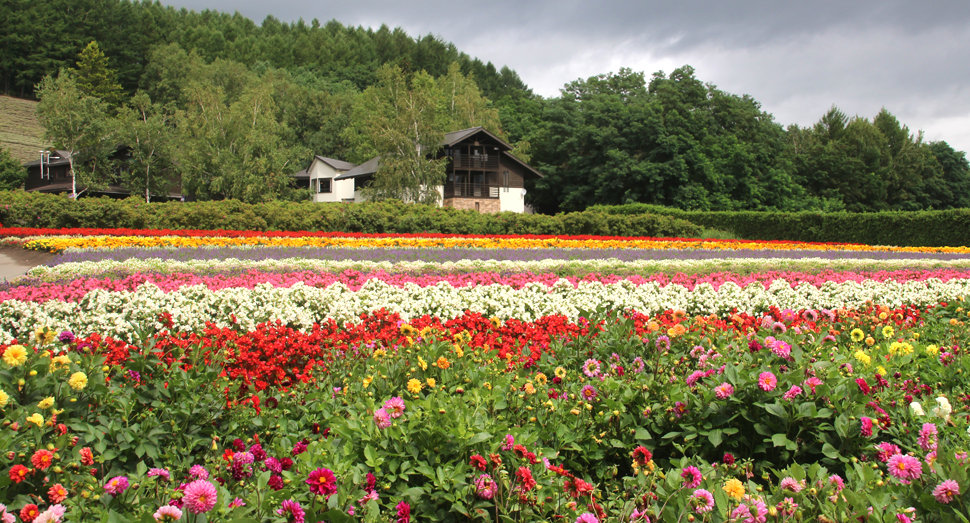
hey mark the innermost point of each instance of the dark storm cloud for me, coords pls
(796, 58)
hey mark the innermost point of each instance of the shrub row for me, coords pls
(911, 229)
(20, 209)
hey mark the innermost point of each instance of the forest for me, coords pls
(235, 107)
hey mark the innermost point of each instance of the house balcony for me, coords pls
(486, 162)
(471, 190)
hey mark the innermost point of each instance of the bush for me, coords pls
(20, 209)
(910, 229)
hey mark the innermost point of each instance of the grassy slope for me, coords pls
(20, 130)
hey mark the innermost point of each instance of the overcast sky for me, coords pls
(796, 58)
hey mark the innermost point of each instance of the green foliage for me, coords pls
(12, 173)
(94, 78)
(19, 209)
(949, 228)
(79, 124)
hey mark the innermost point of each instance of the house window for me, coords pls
(323, 185)
(505, 180)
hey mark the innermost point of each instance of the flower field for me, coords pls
(231, 376)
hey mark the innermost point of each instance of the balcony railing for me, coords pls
(471, 190)
(465, 161)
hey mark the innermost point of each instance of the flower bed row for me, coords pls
(125, 313)
(75, 289)
(856, 414)
(59, 244)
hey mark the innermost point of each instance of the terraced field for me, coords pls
(20, 131)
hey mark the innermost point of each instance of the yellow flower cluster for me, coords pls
(58, 243)
(78, 381)
(15, 355)
(4, 399)
(36, 419)
(414, 386)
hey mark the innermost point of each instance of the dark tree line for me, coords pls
(667, 139)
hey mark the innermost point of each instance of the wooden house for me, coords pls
(482, 174)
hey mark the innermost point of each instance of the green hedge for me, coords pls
(21, 209)
(910, 229)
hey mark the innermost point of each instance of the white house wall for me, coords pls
(513, 200)
(340, 190)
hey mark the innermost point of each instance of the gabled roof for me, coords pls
(57, 158)
(364, 169)
(523, 164)
(457, 136)
(339, 165)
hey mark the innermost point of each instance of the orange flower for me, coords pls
(443, 363)
(42, 459)
(676, 330)
(57, 493)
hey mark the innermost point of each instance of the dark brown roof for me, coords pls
(364, 169)
(57, 158)
(339, 165)
(457, 136)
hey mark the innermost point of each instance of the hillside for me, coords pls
(20, 130)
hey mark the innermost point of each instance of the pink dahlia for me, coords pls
(790, 483)
(946, 491)
(792, 393)
(885, 450)
(485, 487)
(927, 436)
(292, 511)
(394, 407)
(703, 501)
(160, 473)
(382, 418)
(767, 381)
(723, 391)
(116, 485)
(403, 512)
(167, 513)
(322, 482)
(200, 496)
(591, 368)
(199, 472)
(586, 517)
(867, 427)
(905, 467)
(692, 477)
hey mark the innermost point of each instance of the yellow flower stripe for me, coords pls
(57, 244)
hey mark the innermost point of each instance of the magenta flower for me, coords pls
(946, 491)
(927, 436)
(403, 512)
(867, 427)
(199, 472)
(394, 406)
(905, 467)
(200, 496)
(292, 511)
(813, 382)
(237, 502)
(692, 477)
(509, 442)
(791, 484)
(885, 450)
(322, 482)
(703, 501)
(382, 418)
(767, 381)
(160, 473)
(588, 393)
(591, 368)
(586, 517)
(167, 513)
(723, 391)
(792, 393)
(485, 487)
(116, 485)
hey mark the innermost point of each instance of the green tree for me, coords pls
(95, 78)
(12, 173)
(234, 149)
(79, 124)
(401, 121)
(148, 132)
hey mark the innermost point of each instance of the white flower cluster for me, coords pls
(124, 314)
(603, 266)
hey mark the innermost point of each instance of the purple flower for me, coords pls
(116, 485)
